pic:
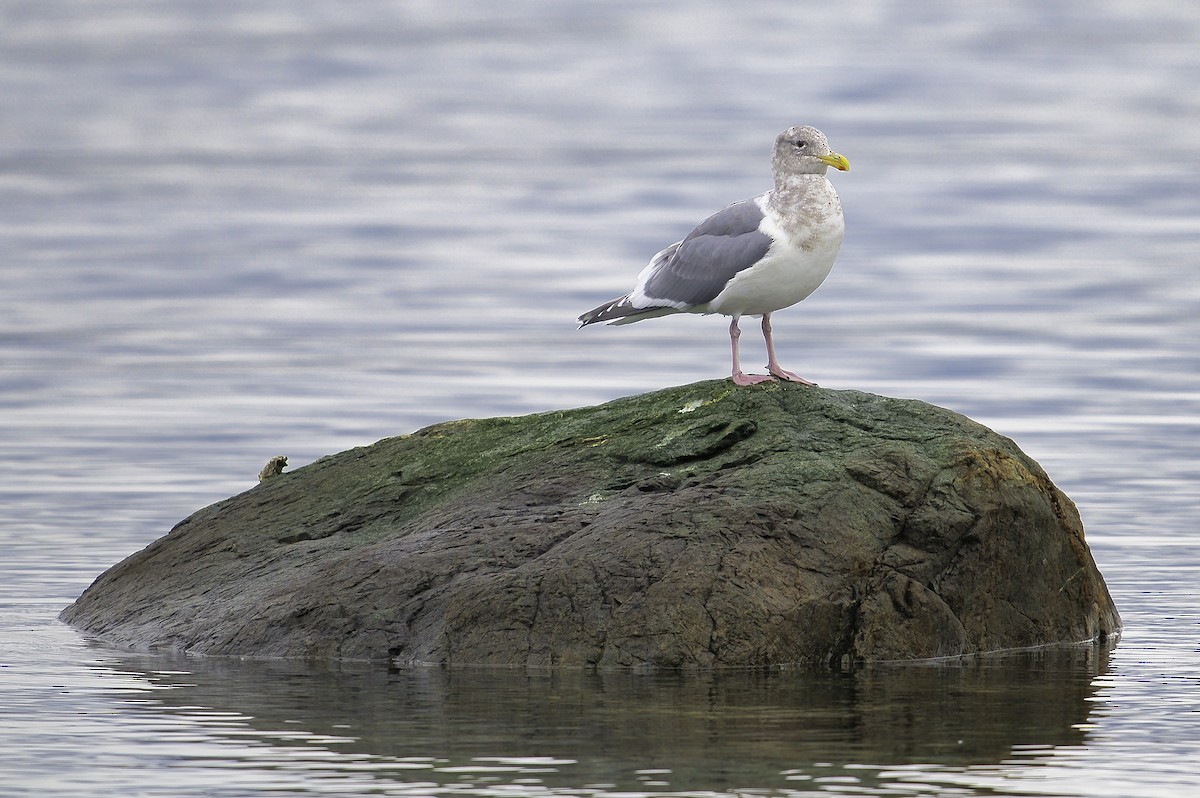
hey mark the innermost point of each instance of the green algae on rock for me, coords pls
(699, 526)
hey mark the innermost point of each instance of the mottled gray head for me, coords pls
(804, 150)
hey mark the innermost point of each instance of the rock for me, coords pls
(698, 526)
(273, 468)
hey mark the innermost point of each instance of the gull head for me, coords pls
(804, 150)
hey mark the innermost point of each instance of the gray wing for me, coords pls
(702, 265)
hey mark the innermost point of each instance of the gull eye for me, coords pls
(801, 145)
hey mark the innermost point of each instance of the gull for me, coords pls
(751, 258)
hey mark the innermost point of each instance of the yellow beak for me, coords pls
(838, 162)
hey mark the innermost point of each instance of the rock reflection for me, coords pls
(605, 732)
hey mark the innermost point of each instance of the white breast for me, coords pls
(795, 266)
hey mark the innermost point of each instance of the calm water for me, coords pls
(229, 231)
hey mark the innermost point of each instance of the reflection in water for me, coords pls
(465, 729)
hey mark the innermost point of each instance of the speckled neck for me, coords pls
(806, 205)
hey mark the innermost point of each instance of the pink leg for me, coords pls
(772, 363)
(738, 377)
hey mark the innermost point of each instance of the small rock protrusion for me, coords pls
(274, 467)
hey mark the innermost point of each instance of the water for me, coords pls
(232, 231)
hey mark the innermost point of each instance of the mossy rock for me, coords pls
(699, 526)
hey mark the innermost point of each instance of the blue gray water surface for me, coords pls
(230, 231)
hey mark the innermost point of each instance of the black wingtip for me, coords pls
(609, 310)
